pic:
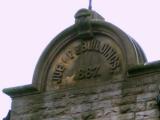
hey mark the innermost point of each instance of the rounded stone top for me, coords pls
(87, 14)
(88, 52)
(83, 13)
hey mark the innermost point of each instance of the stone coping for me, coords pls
(21, 90)
(148, 68)
(139, 70)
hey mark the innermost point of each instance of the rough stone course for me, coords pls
(105, 102)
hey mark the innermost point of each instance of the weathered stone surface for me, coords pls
(91, 71)
(95, 103)
(147, 114)
(151, 105)
(146, 97)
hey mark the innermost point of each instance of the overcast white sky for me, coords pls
(27, 26)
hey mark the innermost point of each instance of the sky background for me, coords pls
(27, 26)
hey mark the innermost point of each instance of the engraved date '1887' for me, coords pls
(87, 73)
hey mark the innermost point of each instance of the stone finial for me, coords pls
(84, 17)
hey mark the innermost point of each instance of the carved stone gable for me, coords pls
(90, 50)
(91, 70)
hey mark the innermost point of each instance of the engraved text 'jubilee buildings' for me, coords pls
(90, 58)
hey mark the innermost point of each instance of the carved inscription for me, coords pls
(88, 73)
(108, 52)
(104, 49)
(67, 56)
(58, 74)
(60, 67)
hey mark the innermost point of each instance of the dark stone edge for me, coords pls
(143, 69)
(20, 90)
(8, 117)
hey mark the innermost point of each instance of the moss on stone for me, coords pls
(19, 91)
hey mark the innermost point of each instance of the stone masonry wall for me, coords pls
(130, 99)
